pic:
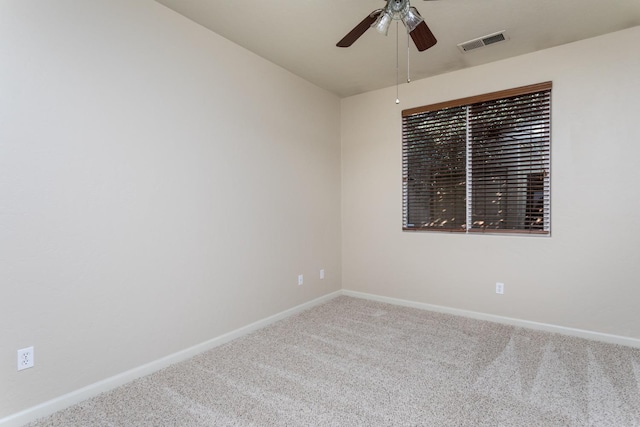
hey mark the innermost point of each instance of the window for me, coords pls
(479, 164)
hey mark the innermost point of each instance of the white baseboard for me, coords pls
(64, 401)
(580, 333)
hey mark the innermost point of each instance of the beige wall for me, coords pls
(154, 193)
(586, 274)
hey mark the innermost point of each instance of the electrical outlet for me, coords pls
(322, 273)
(499, 288)
(300, 279)
(25, 358)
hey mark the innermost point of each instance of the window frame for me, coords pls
(468, 226)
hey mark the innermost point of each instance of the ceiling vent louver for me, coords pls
(483, 41)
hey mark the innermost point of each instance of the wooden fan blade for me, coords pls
(359, 29)
(423, 37)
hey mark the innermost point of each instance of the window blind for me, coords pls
(434, 163)
(481, 166)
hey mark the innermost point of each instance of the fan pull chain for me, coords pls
(408, 50)
(397, 63)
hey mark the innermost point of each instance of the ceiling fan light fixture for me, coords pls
(382, 23)
(412, 19)
(395, 10)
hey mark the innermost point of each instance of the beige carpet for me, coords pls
(353, 362)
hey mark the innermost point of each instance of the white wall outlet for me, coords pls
(300, 279)
(322, 273)
(499, 288)
(25, 358)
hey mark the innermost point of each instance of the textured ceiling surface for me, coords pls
(301, 35)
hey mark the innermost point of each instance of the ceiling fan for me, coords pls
(380, 19)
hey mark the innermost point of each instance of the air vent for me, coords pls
(483, 41)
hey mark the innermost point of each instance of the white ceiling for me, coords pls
(301, 35)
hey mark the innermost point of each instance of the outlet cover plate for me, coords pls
(25, 358)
